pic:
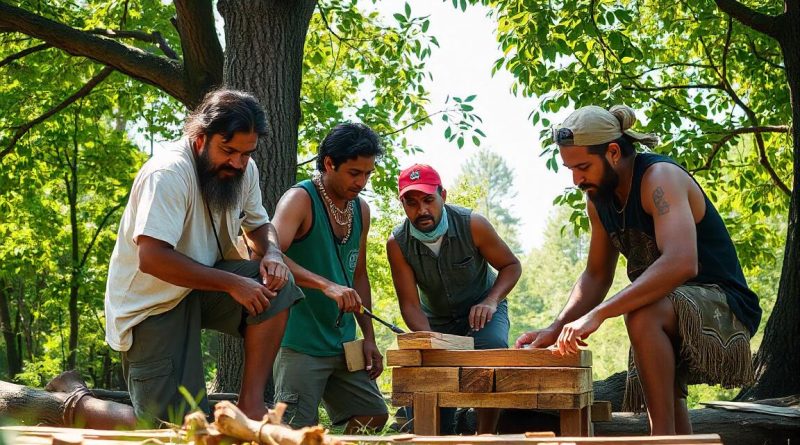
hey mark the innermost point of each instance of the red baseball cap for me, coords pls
(419, 177)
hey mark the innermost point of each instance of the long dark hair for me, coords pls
(226, 112)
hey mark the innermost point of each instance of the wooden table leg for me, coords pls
(426, 413)
(570, 422)
(586, 421)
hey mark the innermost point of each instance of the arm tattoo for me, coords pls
(661, 204)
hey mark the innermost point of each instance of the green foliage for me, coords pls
(357, 66)
(361, 67)
(488, 179)
(697, 77)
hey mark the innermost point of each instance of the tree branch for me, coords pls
(751, 115)
(84, 91)
(167, 75)
(763, 23)
(709, 86)
(154, 37)
(23, 53)
(732, 134)
(763, 57)
(203, 57)
(100, 228)
(422, 119)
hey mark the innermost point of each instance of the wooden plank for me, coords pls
(570, 422)
(519, 400)
(402, 399)
(424, 379)
(601, 411)
(42, 436)
(543, 380)
(488, 400)
(563, 401)
(426, 414)
(354, 355)
(506, 358)
(434, 340)
(476, 380)
(403, 357)
(520, 439)
(136, 435)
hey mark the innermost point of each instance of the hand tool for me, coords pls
(363, 310)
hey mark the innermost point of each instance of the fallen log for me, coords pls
(735, 427)
(29, 406)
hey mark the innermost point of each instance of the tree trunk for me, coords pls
(9, 335)
(777, 363)
(265, 57)
(71, 179)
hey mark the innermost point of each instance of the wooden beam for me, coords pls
(570, 422)
(519, 439)
(561, 401)
(403, 357)
(476, 380)
(543, 380)
(514, 400)
(416, 380)
(488, 400)
(426, 414)
(434, 340)
(506, 358)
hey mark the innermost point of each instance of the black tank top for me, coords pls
(718, 263)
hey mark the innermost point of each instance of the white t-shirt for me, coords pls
(165, 203)
(435, 246)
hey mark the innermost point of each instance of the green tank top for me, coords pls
(311, 327)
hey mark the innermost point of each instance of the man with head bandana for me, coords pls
(440, 258)
(688, 310)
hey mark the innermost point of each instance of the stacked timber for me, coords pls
(432, 370)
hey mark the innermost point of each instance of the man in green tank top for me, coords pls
(322, 226)
(688, 310)
(442, 259)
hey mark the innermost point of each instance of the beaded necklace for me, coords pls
(343, 217)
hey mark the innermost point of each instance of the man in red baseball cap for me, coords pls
(440, 258)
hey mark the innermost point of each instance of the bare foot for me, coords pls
(67, 382)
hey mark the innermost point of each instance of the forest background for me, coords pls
(73, 133)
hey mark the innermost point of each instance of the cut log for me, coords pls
(601, 411)
(735, 427)
(29, 406)
(611, 389)
(434, 340)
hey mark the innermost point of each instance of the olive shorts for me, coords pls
(166, 352)
(302, 381)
